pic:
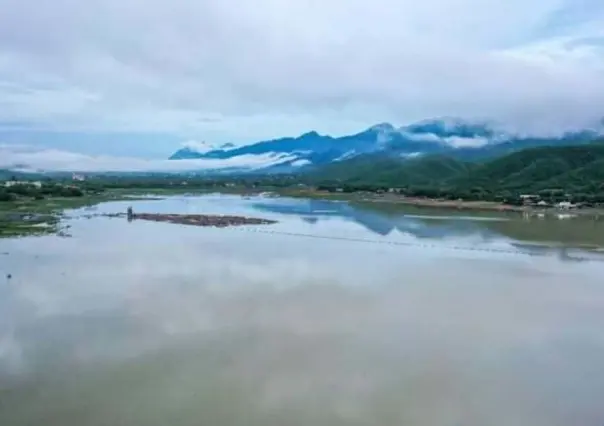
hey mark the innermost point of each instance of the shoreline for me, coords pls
(452, 205)
(30, 217)
(491, 206)
(43, 217)
(484, 206)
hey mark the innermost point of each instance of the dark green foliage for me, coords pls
(28, 190)
(536, 166)
(574, 173)
(377, 170)
(6, 196)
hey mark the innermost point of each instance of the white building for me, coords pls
(10, 183)
(565, 205)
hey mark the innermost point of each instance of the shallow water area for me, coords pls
(335, 315)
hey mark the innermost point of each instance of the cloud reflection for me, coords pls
(155, 324)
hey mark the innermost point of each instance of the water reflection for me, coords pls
(148, 323)
(423, 223)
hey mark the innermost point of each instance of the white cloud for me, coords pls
(203, 147)
(29, 158)
(459, 142)
(235, 70)
(199, 146)
(300, 163)
(454, 141)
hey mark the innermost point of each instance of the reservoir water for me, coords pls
(336, 315)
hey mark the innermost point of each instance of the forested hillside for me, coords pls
(550, 171)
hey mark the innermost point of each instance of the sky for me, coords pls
(138, 78)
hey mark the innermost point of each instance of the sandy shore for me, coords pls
(485, 206)
(412, 201)
(449, 204)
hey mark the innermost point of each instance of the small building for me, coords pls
(529, 199)
(565, 205)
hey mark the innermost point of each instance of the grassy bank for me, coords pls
(434, 203)
(399, 199)
(39, 216)
(34, 211)
(29, 216)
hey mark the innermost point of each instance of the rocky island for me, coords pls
(219, 221)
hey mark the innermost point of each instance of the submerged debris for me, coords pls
(202, 219)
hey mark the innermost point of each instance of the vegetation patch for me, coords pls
(540, 178)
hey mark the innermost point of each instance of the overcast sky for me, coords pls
(138, 77)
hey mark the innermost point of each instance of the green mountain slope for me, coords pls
(387, 171)
(561, 169)
(536, 167)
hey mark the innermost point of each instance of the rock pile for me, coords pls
(202, 219)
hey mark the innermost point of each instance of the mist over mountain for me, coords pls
(455, 137)
(460, 139)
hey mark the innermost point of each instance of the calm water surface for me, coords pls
(337, 315)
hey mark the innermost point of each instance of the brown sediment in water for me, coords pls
(219, 221)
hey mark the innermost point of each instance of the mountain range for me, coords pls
(456, 138)
(578, 169)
